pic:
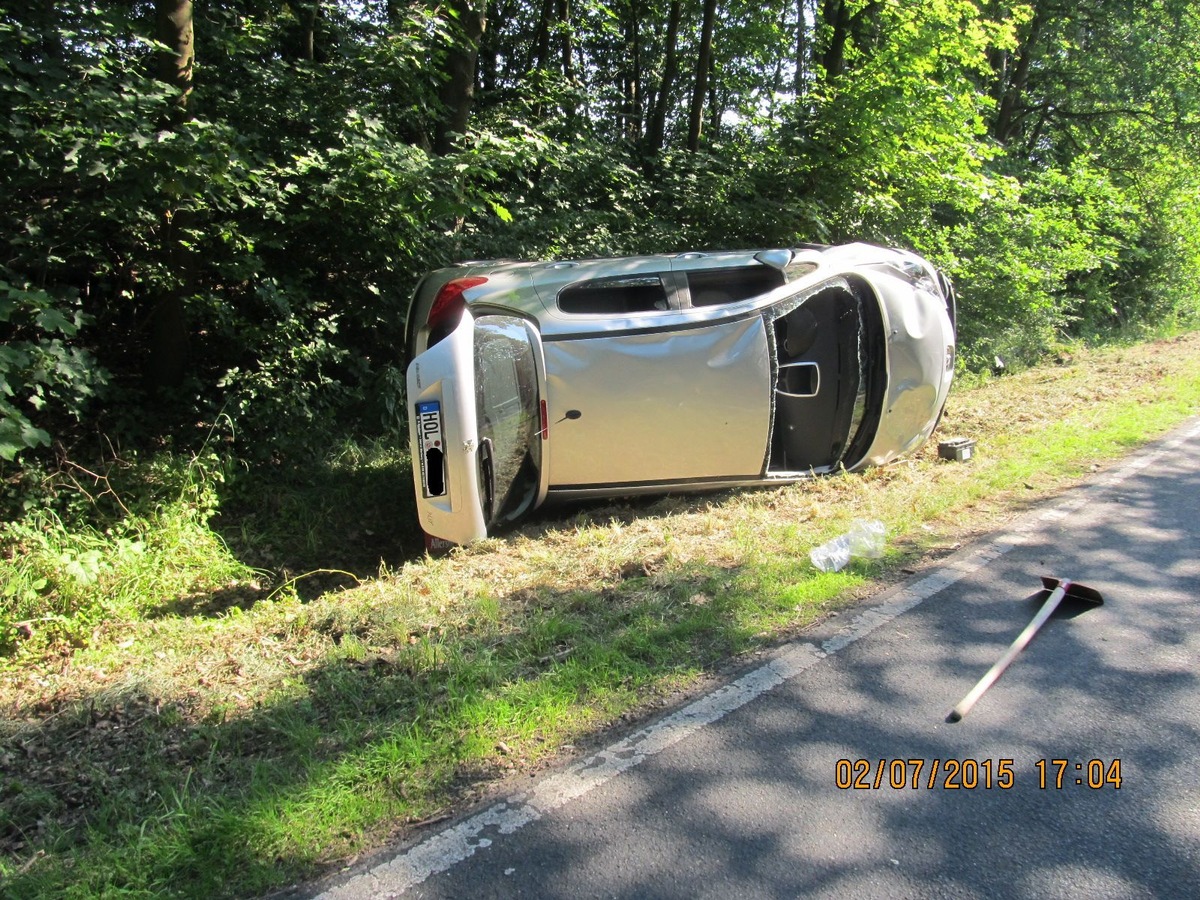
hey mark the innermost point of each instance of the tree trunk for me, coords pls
(656, 130)
(308, 48)
(487, 66)
(541, 39)
(1012, 79)
(800, 85)
(568, 43)
(631, 82)
(457, 92)
(837, 19)
(175, 30)
(716, 103)
(703, 64)
(168, 357)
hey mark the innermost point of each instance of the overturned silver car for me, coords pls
(531, 381)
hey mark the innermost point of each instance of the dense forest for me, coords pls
(225, 661)
(214, 211)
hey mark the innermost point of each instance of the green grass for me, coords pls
(201, 718)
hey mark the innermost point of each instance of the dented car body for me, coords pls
(563, 380)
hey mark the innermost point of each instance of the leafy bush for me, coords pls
(249, 253)
(61, 580)
(1028, 261)
(41, 374)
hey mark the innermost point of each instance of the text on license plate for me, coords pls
(431, 449)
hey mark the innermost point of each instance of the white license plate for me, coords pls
(431, 451)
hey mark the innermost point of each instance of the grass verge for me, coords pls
(185, 728)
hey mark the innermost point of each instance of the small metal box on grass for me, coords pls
(957, 449)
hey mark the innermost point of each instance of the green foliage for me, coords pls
(895, 141)
(41, 374)
(287, 215)
(1156, 281)
(1033, 259)
(268, 235)
(1044, 153)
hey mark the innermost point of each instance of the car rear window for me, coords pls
(507, 409)
(615, 296)
(716, 286)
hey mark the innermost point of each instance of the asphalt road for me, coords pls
(757, 790)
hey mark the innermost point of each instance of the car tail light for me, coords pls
(545, 416)
(448, 307)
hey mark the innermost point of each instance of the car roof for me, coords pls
(531, 288)
(851, 254)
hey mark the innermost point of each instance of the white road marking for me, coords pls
(447, 848)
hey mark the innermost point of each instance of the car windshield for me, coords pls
(507, 410)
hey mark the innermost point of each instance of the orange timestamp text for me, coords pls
(915, 773)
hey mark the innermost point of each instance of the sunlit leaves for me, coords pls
(294, 212)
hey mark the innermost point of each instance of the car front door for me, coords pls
(654, 406)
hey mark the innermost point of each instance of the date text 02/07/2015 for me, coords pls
(914, 773)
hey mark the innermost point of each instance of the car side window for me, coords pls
(715, 286)
(616, 296)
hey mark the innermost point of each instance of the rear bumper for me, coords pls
(445, 373)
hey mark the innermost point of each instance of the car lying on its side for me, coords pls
(531, 381)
